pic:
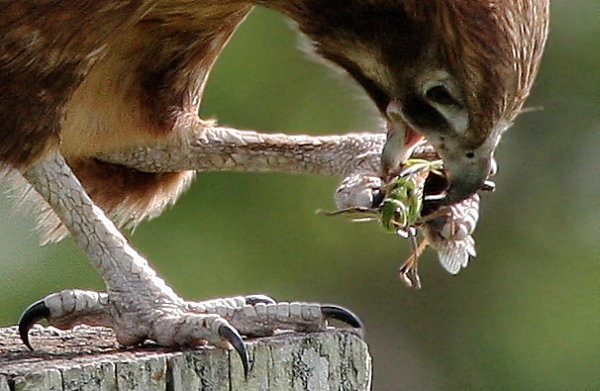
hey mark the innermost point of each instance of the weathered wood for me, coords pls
(89, 359)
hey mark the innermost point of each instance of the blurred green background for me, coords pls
(523, 315)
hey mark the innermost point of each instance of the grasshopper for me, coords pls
(447, 229)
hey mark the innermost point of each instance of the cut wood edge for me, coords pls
(88, 358)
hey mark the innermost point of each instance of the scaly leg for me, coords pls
(355, 157)
(138, 305)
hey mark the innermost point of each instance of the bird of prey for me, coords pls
(99, 124)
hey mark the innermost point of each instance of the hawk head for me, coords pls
(451, 71)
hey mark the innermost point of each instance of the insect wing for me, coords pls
(455, 254)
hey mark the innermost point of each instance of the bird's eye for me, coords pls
(439, 94)
(443, 94)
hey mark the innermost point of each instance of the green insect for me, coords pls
(402, 204)
(400, 209)
(401, 213)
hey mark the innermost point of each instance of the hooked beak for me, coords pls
(465, 176)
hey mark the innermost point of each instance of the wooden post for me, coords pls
(90, 359)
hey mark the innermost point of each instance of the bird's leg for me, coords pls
(138, 305)
(354, 157)
(207, 148)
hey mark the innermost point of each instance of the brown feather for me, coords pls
(91, 77)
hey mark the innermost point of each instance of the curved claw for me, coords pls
(232, 336)
(378, 197)
(489, 185)
(32, 314)
(259, 299)
(342, 314)
(435, 198)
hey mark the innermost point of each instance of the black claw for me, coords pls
(488, 185)
(342, 314)
(435, 198)
(258, 299)
(29, 317)
(378, 197)
(232, 336)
